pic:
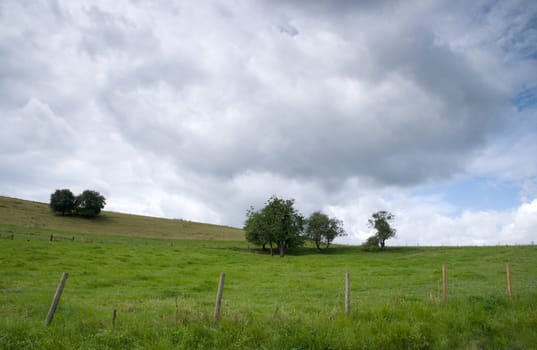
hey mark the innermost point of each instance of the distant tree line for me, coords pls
(278, 225)
(87, 204)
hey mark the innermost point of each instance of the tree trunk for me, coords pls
(382, 244)
(271, 251)
(318, 245)
(282, 250)
(264, 248)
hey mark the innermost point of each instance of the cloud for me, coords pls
(199, 111)
(35, 127)
(429, 221)
(396, 111)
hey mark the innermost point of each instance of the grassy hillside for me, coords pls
(38, 216)
(164, 288)
(164, 292)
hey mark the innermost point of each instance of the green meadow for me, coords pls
(164, 290)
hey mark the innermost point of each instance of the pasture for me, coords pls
(164, 294)
(164, 290)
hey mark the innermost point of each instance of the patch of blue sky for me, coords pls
(525, 99)
(476, 194)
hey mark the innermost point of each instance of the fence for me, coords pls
(7, 236)
(343, 292)
(61, 238)
(220, 291)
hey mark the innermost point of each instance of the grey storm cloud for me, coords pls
(397, 105)
(262, 102)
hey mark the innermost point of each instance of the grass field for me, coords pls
(164, 293)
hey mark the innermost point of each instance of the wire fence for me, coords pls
(295, 293)
(303, 298)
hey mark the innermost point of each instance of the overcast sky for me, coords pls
(200, 109)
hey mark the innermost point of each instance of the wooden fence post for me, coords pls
(347, 293)
(219, 296)
(114, 316)
(56, 298)
(509, 286)
(444, 283)
(176, 312)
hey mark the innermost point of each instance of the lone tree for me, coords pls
(62, 201)
(323, 230)
(380, 221)
(89, 203)
(277, 223)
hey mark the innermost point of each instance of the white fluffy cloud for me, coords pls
(201, 110)
(428, 221)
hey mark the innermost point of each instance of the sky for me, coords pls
(200, 109)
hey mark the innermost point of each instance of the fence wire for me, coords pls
(275, 296)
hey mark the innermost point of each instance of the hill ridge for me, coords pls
(28, 213)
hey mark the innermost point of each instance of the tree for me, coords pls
(62, 201)
(256, 230)
(380, 221)
(335, 229)
(278, 222)
(284, 223)
(323, 230)
(89, 203)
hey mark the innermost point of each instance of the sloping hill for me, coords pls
(38, 215)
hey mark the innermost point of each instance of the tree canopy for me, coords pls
(62, 201)
(380, 221)
(89, 203)
(321, 229)
(278, 223)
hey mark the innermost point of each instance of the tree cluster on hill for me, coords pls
(88, 204)
(280, 225)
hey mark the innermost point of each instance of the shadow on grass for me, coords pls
(347, 250)
(332, 250)
(101, 218)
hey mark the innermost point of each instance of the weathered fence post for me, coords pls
(56, 298)
(114, 316)
(347, 293)
(176, 312)
(444, 283)
(509, 286)
(219, 296)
